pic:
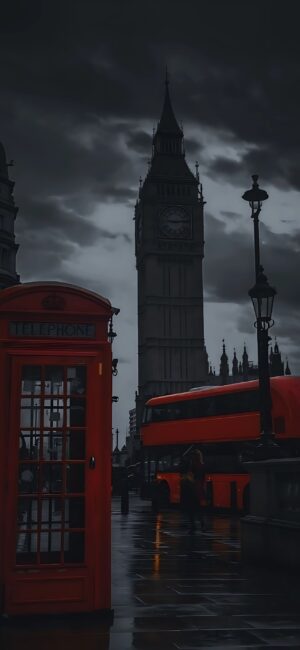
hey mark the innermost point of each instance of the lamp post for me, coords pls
(262, 296)
(255, 197)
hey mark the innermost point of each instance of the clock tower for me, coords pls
(169, 252)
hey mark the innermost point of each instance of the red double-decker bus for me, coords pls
(224, 422)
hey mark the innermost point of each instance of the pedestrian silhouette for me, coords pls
(192, 490)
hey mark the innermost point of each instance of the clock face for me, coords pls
(175, 222)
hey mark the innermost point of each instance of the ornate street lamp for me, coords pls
(262, 296)
(255, 198)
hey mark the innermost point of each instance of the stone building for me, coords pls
(8, 213)
(245, 370)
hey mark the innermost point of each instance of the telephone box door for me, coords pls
(55, 491)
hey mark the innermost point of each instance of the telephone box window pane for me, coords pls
(30, 413)
(74, 512)
(26, 549)
(52, 478)
(75, 478)
(53, 445)
(27, 513)
(75, 445)
(73, 547)
(50, 541)
(76, 412)
(31, 380)
(50, 547)
(29, 445)
(54, 380)
(53, 413)
(76, 380)
(51, 514)
(28, 478)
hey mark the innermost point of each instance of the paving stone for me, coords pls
(172, 590)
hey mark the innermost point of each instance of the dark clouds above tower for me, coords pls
(81, 89)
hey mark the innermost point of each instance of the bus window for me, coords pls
(164, 464)
(204, 407)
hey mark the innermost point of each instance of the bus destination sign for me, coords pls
(52, 330)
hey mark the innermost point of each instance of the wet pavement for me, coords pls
(176, 591)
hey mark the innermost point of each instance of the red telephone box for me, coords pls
(55, 449)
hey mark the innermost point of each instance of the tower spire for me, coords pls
(287, 368)
(168, 123)
(224, 368)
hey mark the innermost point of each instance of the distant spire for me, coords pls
(168, 122)
(245, 364)
(276, 365)
(224, 349)
(224, 368)
(235, 364)
(287, 368)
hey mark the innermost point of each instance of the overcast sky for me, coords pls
(82, 87)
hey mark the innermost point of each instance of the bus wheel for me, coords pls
(246, 499)
(163, 496)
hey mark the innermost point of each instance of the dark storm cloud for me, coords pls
(225, 279)
(42, 258)
(51, 234)
(140, 141)
(229, 273)
(228, 280)
(75, 77)
(62, 158)
(192, 146)
(49, 215)
(280, 171)
(240, 72)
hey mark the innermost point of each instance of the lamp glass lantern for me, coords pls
(256, 195)
(262, 296)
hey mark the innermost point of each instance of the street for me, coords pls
(176, 591)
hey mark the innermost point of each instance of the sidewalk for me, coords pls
(172, 590)
(175, 591)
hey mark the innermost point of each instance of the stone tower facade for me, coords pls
(8, 212)
(169, 254)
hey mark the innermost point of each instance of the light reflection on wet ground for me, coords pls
(172, 590)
